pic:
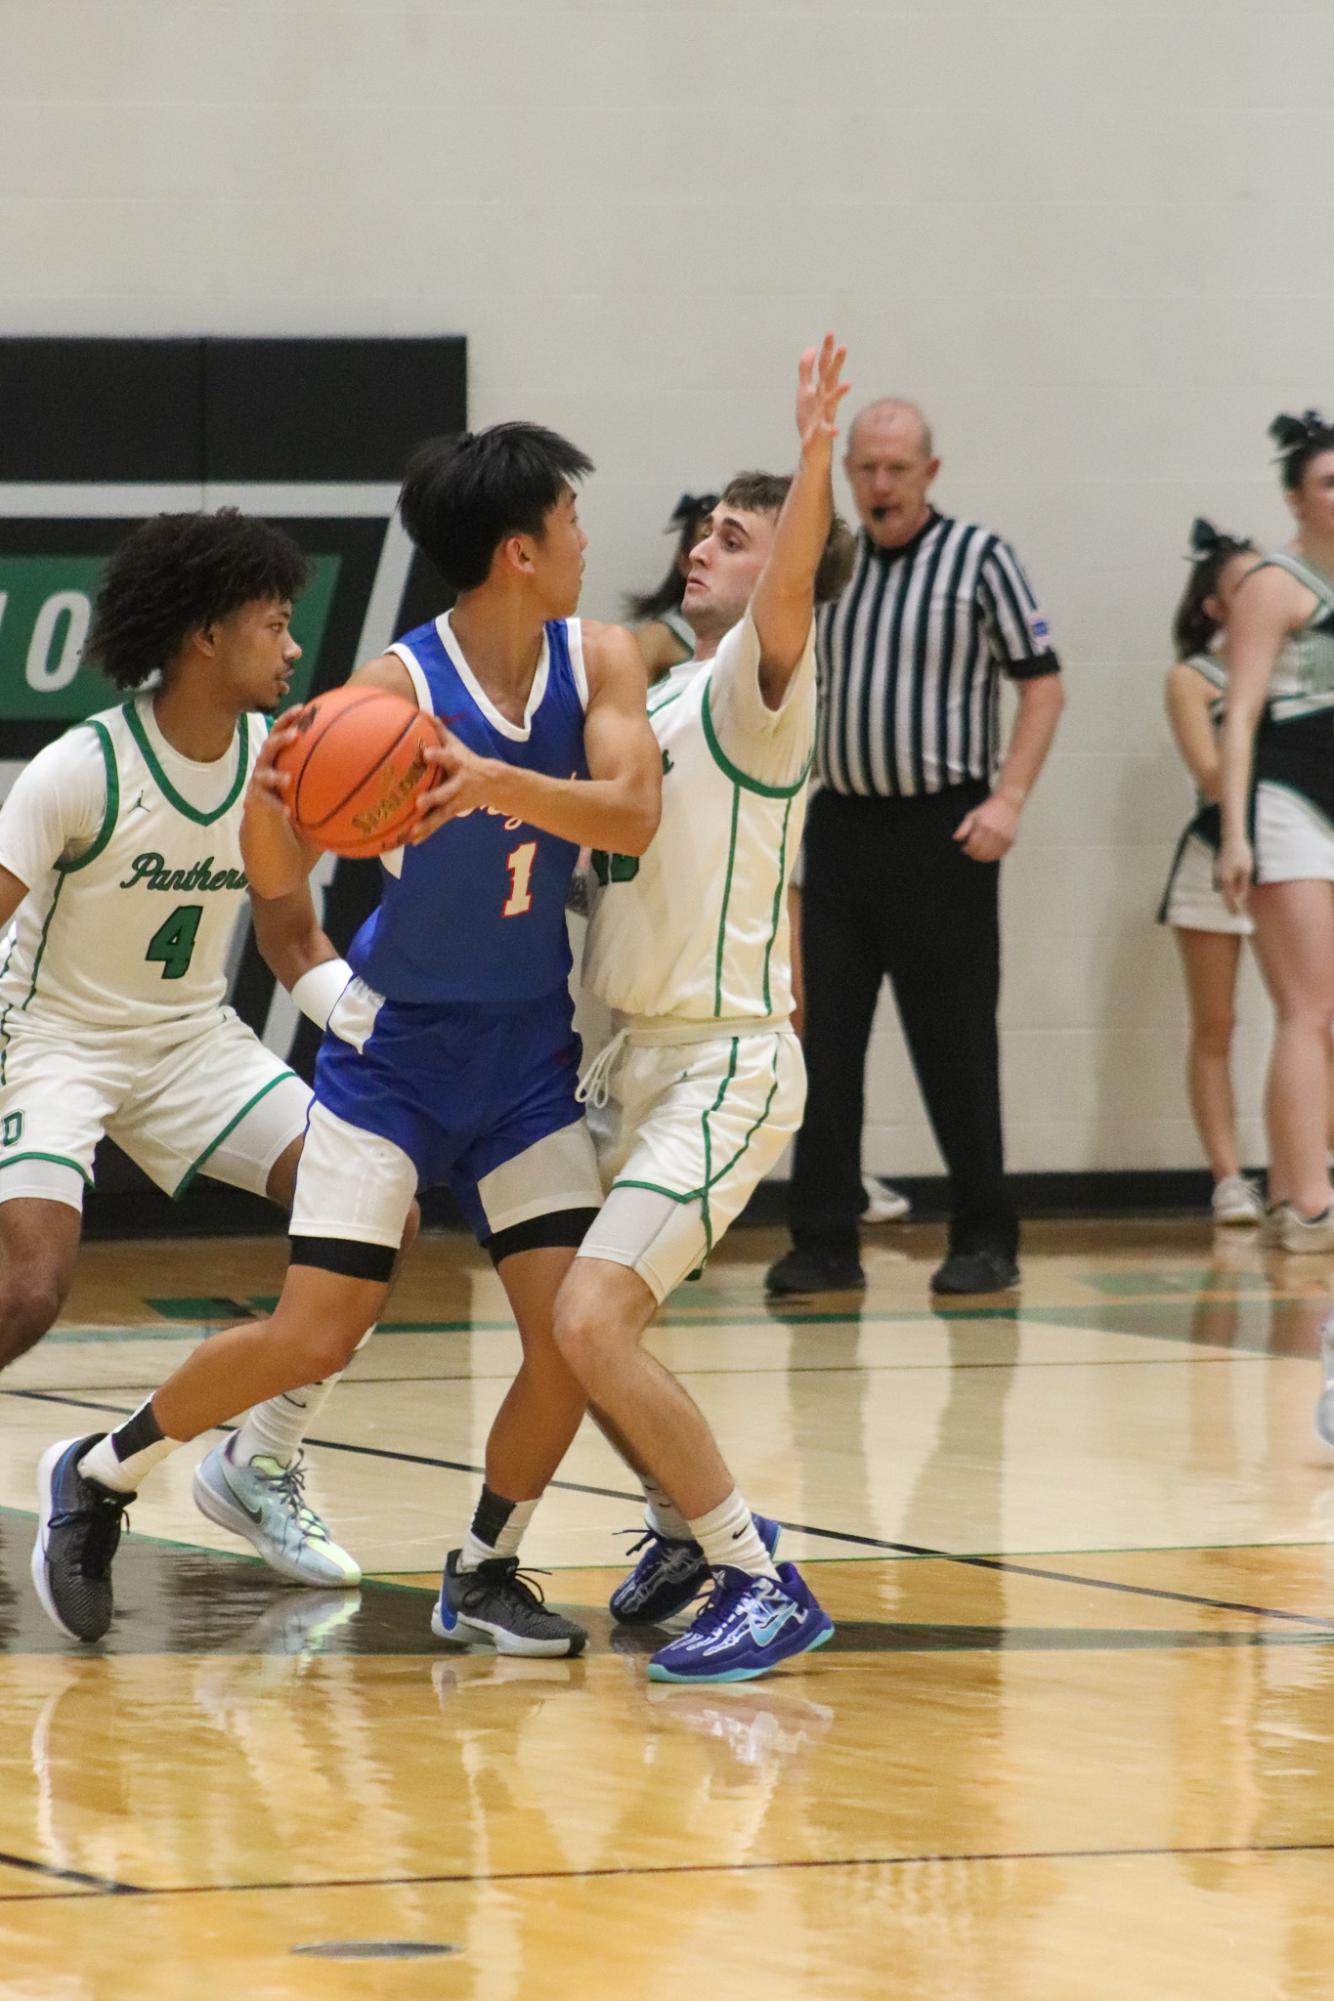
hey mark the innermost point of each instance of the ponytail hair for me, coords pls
(1209, 553)
(689, 517)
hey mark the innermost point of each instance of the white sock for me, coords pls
(661, 1512)
(507, 1540)
(274, 1430)
(727, 1535)
(123, 1476)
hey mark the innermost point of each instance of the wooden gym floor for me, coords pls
(1073, 1740)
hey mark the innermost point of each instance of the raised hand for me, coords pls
(819, 393)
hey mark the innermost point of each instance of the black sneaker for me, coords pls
(78, 1528)
(976, 1271)
(801, 1272)
(495, 1603)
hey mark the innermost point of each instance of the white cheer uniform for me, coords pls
(113, 974)
(1192, 900)
(702, 1086)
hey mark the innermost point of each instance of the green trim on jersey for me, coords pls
(110, 812)
(1208, 668)
(1319, 585)
(164, 784)
(722, 915)
(656, 708)
(730, 770)
(197, 1163)
(60, 1159)
(41, 945)
(778, 906)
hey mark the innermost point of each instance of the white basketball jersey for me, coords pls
(697, 927)
(134, 931)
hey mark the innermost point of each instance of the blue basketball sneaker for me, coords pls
(747, 1626)
(669, 1574)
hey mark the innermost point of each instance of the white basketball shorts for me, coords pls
(215, 1102)
(689, 1130)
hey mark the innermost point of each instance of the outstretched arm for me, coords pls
(784, 601)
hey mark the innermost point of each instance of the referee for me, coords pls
(902, 845)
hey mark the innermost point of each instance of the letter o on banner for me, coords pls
(57, 640)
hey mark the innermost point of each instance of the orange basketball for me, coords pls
(357, 768)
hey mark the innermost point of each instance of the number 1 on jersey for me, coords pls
(520, 866)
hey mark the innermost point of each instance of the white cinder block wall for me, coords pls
(1094, 237)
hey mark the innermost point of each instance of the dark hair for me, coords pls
(692, 510)
(1299, 440)
(764, 493)
(179, 572)
(1209, 555)
(462, 496)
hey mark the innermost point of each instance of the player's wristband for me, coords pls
(318, 992)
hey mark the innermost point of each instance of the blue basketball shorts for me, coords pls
(475, 1097)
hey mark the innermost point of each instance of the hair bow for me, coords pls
(690, 506)
(1291, 433)
(1206, 541)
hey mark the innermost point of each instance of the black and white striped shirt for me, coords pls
(910, 661)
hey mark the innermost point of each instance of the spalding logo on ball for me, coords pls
(358, 765)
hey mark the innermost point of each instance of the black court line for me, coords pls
(998, 1563)
(622, 1871)
(340, 1445)
(108, 1886)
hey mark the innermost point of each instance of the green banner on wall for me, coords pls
(45, 608)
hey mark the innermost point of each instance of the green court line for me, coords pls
(1164, 1317)
(1188, 1281)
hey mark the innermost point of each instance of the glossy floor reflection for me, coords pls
(1072, 1738)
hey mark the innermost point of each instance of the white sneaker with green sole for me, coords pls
(265, 1502)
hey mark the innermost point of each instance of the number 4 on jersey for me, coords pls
(174, 941)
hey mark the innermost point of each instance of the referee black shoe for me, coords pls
(975, 1271)
(802, 1272)
(78, 1528)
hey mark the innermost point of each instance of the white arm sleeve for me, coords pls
(771, 745)
(55, 806)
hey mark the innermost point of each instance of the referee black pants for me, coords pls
(890, 893)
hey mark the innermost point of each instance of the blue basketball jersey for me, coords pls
(477, 912)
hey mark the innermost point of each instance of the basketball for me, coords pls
(357, 768)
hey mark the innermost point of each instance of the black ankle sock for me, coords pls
(137, 1432)
(493, 1511)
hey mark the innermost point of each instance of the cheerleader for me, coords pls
(1277, 798)
(1208, 933)
(661, 633)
